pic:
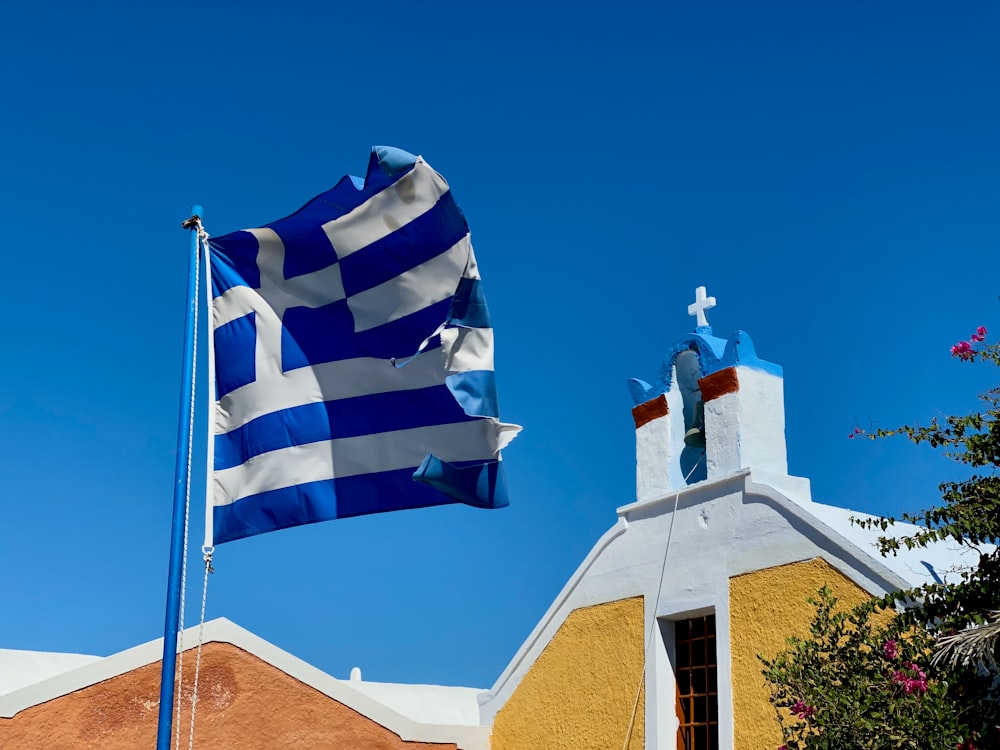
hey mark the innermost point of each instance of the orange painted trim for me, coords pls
(652, 409)
(719, 384)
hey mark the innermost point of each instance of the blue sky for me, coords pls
(827, 169)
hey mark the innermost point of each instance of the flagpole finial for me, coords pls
(698, 307)
(195, 219)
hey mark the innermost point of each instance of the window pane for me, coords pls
(697, 653)
(714, 736)
(685, 706)
(700, 709)
(683, 682)
(700, 737)
(713, 679)
(684, 738)
(710, 624)
(683, 655)
(713, 708)
(682, 630)
(698, 681)
(698, 627)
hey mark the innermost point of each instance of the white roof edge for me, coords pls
(765, 484)
(864, 560)
(940, 559)
(21, 667)
(691, 489)
(222, 630)
(514, 666)
(71, 654)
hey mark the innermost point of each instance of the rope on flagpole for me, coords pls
(207, 553)
(193, 223)
(209, 396)
(656, 604)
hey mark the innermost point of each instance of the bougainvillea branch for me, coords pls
(857, 683)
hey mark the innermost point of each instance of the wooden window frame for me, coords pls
(696, 675)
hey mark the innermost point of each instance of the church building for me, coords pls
(652, 642)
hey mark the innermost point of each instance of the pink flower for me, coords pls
(802, 710)
(851, 435)
(890, 649)
(981, 331)
(908, 682)
(962, 350)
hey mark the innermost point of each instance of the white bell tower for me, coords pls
(716, 409)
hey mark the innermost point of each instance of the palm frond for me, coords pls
(973, 647)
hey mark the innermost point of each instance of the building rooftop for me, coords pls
(19, 669)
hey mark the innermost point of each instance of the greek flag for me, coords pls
(353, 358)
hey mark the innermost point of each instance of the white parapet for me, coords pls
(744, 421)
(652, 449)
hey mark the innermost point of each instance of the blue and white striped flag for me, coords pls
(353, 358)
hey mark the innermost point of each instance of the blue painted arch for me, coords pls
(714, 354)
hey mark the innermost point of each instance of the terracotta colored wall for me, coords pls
(243, 704)
(579, 693)
(765, 607)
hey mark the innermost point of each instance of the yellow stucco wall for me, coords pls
(765, 607)
(579, 693)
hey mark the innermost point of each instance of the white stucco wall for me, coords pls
(762, 420)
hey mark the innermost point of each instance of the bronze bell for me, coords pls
(695, 437)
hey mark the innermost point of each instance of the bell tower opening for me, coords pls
(692, 458)
(716, 409)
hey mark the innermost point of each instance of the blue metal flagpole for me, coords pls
(181, 483)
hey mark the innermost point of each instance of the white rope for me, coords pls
(656, 605)
(207, 554)
(209, 399)
(179, 674)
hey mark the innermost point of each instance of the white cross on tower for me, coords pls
(700, 304)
